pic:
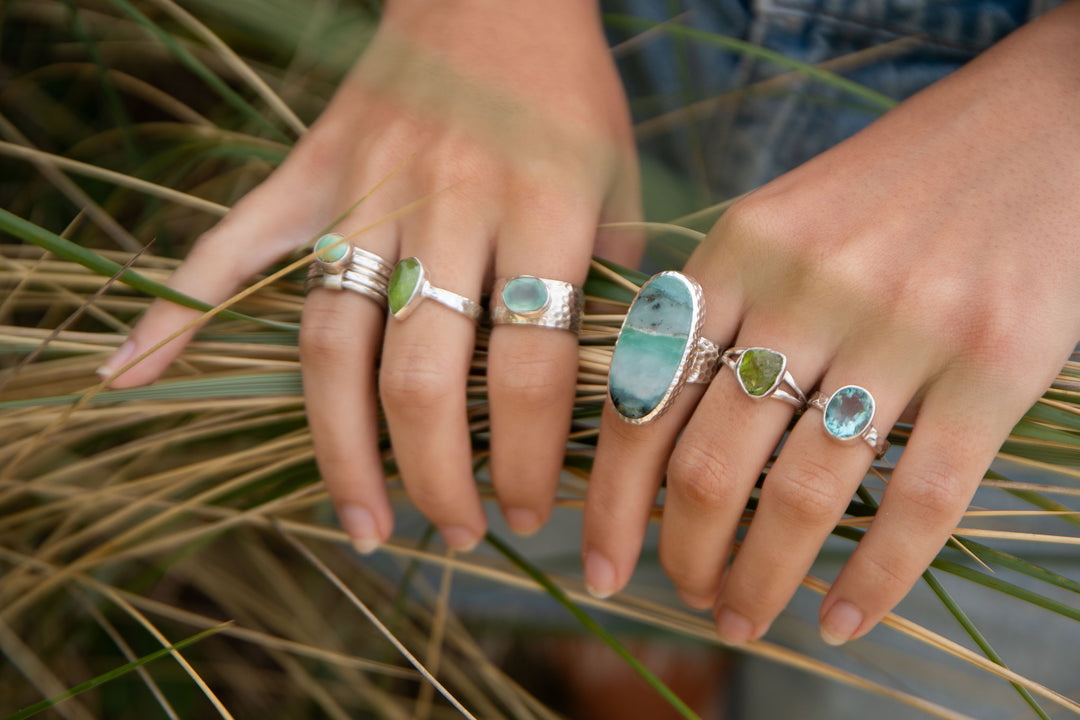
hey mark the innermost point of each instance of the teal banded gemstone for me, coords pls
(404, 282)
(760, 370)
(654, 339)
(849, 412)
(525, 294)
(330, 248)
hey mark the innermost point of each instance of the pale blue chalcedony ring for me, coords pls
(848, 416)
(531, 300)
(660, 348)
(339, 265)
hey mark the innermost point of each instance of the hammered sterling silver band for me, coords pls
(660, 348)
(530, 300)
(763, 373)
(340, 266)
(409, 285)
(848, 414)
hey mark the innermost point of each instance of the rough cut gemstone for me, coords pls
(849, 412)
(526, 294)
(760, 370)
(329, 252)
(652, 344)
(404, 282)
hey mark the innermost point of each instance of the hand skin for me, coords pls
(933, 259)
(482, 111)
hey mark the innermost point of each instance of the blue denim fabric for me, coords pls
(727, 148)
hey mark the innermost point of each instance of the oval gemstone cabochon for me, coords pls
(651, 346)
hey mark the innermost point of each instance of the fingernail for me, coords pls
(599, 575)
(361, 529)
(117, 360)
(522, 521)
(460, 538)
(840, 623)
(698, 602)
(732, 627)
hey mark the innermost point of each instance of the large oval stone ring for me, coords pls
(409, 286)
(529, 300)
(660, 348)
(341, 266)
(848, 416)
(763, 373)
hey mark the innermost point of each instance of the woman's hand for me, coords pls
(933, 259)
(506, 125)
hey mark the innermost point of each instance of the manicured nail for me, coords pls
(117, 360)
(522, 521)
(361, 529)
(840, 623)
(698, 602)
(599, 575)
(732, 627)
(460, 538)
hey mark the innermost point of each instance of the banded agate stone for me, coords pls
(649, 358)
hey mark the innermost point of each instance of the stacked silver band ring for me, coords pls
(763, 373)
(848, 416)
(340, 266)
(660, 348)
(409, 285)
(529, 300)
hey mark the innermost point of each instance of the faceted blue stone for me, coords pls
(652, 344)
(849, 412)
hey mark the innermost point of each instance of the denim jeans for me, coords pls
(715, 122)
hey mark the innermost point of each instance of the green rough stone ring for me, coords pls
(529, 300)
(763, 373)
(660, 348)
(409, 286)
(848, 416)
(341, 266)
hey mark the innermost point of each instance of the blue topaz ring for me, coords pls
(529, 300)
(340, 266)
(848, 415)
(660, 348)
(409, 286)
(763, 373)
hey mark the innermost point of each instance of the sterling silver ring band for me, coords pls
(340, 266)
(530, 300)
(847, 416)
(409, 285)
(763, 373)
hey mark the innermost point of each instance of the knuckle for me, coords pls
(530, 378)
(935, 494)
(415, 380)
(886, 574)
(324, 342)
(809, 493)
(701, 476)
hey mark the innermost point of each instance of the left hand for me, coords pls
(932, 259)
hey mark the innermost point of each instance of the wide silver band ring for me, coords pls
(530, 300)
(660, 348)
(409, 285)
(847, 415)
(762, 373)
(339, 265)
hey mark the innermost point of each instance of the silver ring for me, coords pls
(530, 300)
(660, 348)
(341, 266)
(848, 414)
(409, 285)
(763, 373)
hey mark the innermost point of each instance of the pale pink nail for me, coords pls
(361, 529)
(460, 538)
(599, 575)
(522, 521)
(117, 360)
(732, 627)
(840, 623)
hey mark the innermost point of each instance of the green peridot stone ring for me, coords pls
(763, 373)
(848, 416)
(341, 266)
(409, 286)
(530, 300)
(660, 348)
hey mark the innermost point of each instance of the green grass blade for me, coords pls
(201, 71)
(1006, 588)
(113, 674)
(977, 636)
(63, 248)
(591, 625)
(633, 24)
